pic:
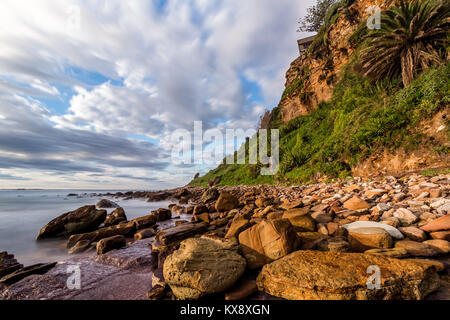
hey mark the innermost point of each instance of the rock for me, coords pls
(202, 217)
(405, 216)
(115, 217)
(106, 204)
(177, 209)
(263, 202)
(84, 219)
(413, 233)
(242, 291)
(226, 202)
(8, 264)
(203, 266)
(344, 276)
(108, 244)
(176, 234)
(80, 247)
(291, 205)
(333, 245)
(239, 224)
(356, 204)
(390, 253)
(300, 222)
(199, 209)
(352, 188)
(444, 209)
(144, 234)
(144, 222)
(20, 274)
(322, 217)
(267, 241)
(373, 193)
(418, 249)
(394, 233)
(123, 229)
(180, 222)
(441, 235)
(363, 239)
(443, 246)
(440, 224)
(210, 195)
(162, 214)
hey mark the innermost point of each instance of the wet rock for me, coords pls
(226, 202)
(108, 244)
(106, 204)
(203, 266)
(115, 217)
(80, 246)
(144, 234)
(84, 219)
(313, 275)
(20, 274)
(363, 239)
(162, 214)
(268, 241)
(440, 224)
(413, 233)
(123, 229)
(8, 264)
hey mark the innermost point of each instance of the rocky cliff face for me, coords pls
(311, 77)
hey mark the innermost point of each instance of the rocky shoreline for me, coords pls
(322, 241)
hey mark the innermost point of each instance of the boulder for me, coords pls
(203, 266)
(363, 239)
(210, 195)
(176, 234)
(22, 273)
(405, 216)
(268, 241)
(390, 253)
(263, 202)
(356, 204)
(144, 234)
(314, 275)
(84, 219)
(239, 224)
(417, 249)
(80, 247)
(413, 233)
(145, 222)
(162, 214)
(115, 217)
(199, 209)
(300, 222)
(8, 264)
(440, 224)
(106, 204)
(369, 224)
(123, 229)
(443, 246)
(441, 235)
(111, 243)
(226, 202)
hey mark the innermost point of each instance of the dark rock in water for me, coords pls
(162, 214)
(115, 217)
(84, 219)
(106, 204)
(109, 244)
(80, 247)
(123, 229)
(145, 222)
(144, 234)
(181, 232)
(72, 195)
(25, 272)
(8, 264)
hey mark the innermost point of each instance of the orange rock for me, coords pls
(440, 224)
(356, 203)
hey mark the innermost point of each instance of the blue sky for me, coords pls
(91, 92)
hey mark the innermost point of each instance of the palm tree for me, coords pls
(412, 37)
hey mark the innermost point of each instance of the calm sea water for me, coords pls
(24, 213)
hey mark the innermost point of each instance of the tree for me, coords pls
(315, 16)
(412, 37)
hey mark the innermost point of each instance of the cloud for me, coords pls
(142, 71)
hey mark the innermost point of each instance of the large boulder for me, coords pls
(268, 241)
(210, 195)
(369, 224)
(106, 204)
(239, 224)
(115, 217)
(314, 275)
(203, 266)
(363, 239)
(226, 202)
(84, 219)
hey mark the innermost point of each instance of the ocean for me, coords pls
(24, 212)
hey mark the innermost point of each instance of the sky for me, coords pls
(91, 92)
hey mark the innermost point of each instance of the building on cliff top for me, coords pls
(303, 44)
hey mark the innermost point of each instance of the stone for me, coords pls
(440, 224)
(300, 222)
(405, 216)
(106, 204)
(441, 235)
(239, 224)
(177, 209)
(108, 244)
(123, 229)
(263, 202)
(144, 234)
(321, 217)
(418, 249)
(444, 209)
(22, 273)
(443, 246)
(8, 264)
(268, 241)
(84, 219)
(243, 290)
(314, 275)
(199, 209)
(80, 246)
(226, 202)
(390, 253)
(413, 233)
(202, 217)
(363, 239)
(144, 222)
(333, 245)
(162, 214)
(203, 266)
(369, 224)
(176, 234)
(352, 188)
(356, 204)
(291, 205)
(373, 193)
(210, 195)
(115, 217)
